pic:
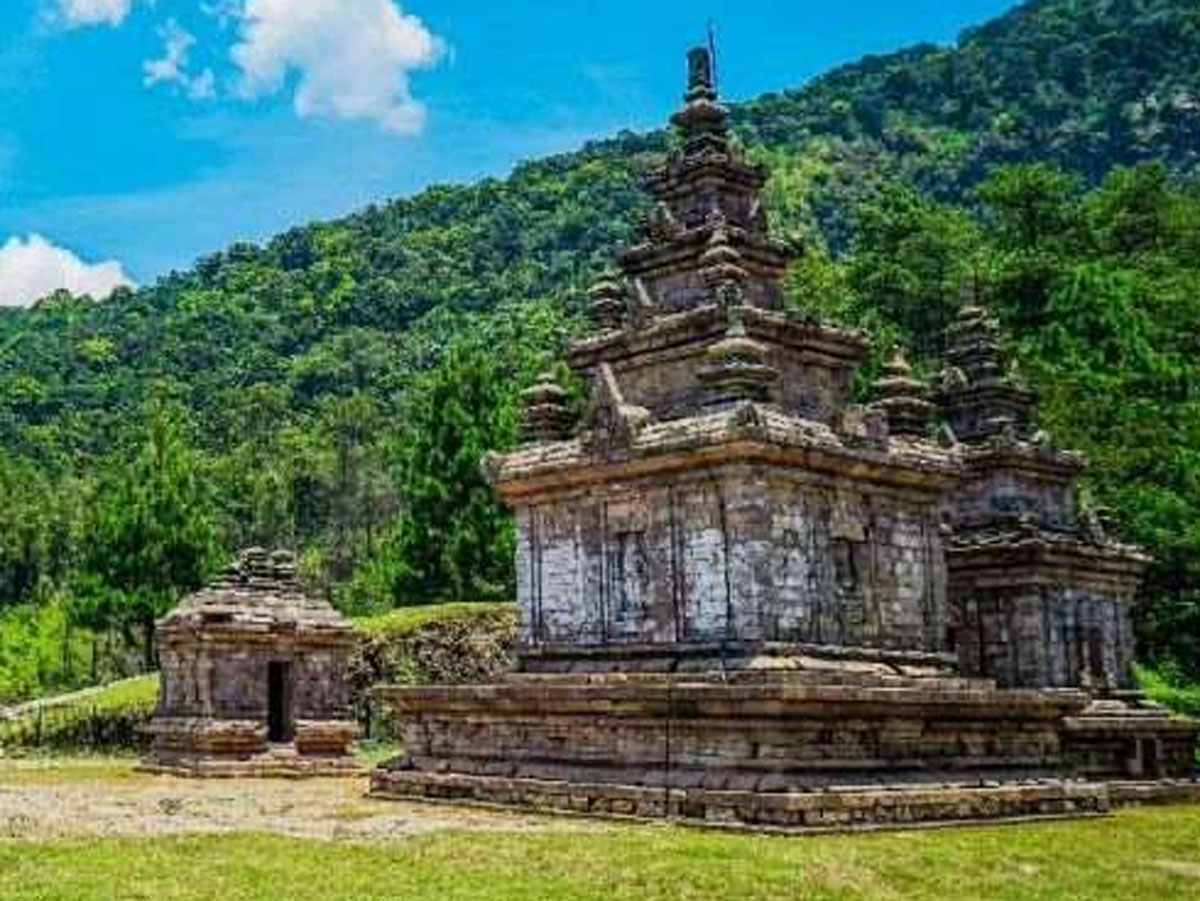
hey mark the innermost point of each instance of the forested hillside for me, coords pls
(334, 389)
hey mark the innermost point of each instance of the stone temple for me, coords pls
(746, 600)
(254, 679)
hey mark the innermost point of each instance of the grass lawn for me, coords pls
(1140, 854)
(406, 621)
(66, 721)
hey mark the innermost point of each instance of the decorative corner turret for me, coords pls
(737, 368)
(722, 265)
(546, 414)
(904, 399)
(609, 302)
(979, 394)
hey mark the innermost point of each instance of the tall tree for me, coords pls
(913, 257)
(454, 540)
(152, 536)
(1035, 224)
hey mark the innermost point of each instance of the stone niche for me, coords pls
(254, 678)
(747, 601)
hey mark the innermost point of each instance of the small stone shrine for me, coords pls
(746, 600)
(1042, 597)
(254, 679)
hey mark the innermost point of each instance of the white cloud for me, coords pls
(84, 13)
(352, 58)
(226, 12)
(33, 268)
(172, 67)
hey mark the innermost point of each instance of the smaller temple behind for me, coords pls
(1042, 597)
(254, 678)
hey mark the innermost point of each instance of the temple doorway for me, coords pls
(279, 702)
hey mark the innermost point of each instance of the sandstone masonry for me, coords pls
(747, 600)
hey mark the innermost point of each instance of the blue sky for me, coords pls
(144, 133)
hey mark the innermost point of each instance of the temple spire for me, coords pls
(704, 120)
(702, 82)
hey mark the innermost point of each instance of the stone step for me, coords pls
(898, 806)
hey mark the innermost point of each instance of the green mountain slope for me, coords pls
(296, 362)
(1088, 84)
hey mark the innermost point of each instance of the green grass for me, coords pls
(1139, 854)
(47, 770)
(116, 696)
(407, 621)
(62, 722)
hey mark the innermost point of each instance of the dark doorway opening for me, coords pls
(279, 703)
(1150, 762)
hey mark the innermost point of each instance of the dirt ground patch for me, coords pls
(1179, 868)
(56, 800)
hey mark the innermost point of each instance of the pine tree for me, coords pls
(152, 536)
(455, 540)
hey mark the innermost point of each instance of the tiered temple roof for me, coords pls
(259, 591)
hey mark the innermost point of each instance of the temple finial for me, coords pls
(702, 83)
(703, 119)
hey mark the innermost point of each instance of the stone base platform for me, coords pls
(1162, 791)
(793, 750)
(837, 809)
(264, 766)
(1130, 738)
(203, 748)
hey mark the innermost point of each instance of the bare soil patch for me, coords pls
(1179, 868)
(42, 801)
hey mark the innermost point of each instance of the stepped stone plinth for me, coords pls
(254, 679)
(746, 600)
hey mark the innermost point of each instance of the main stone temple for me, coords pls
(746, 599)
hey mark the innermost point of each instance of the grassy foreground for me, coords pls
(1138, 854)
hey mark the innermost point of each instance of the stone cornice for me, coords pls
(763, 257)
(746, 434)
(806, 337)
(1010, 559)
(1046, 461)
